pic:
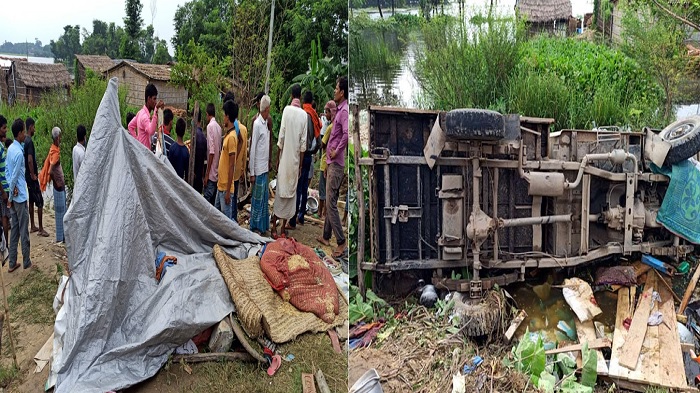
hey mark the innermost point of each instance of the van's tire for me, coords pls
(478, 124)
(480, 317)
(684, 137)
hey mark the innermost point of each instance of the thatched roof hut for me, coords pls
(135, 76)
(544, 15)
(28, 81)
(99, 64)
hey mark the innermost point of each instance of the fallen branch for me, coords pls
(214, 357)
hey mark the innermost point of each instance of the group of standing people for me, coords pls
(224, 156)
(299, 139)
(23, 186)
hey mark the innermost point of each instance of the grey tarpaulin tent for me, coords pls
(122, 324)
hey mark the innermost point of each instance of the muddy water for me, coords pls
(545, 309)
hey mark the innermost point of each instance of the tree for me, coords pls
(67, 46)
(207, 22)
(147, 44)
(129, 45)
(161, 56)
(200, 73)
(96, 43)
(656, 43)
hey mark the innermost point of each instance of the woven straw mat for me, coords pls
(260, 309)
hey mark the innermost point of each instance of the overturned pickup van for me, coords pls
(499, 194)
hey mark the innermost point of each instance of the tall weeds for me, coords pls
(57, 110)
(492, 65)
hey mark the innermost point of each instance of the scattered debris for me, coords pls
(474, 363)
(515, 324)
(321, 382)
(579, 295)
(618, 275)
(307, 383)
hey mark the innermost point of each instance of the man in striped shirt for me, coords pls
(4, 211)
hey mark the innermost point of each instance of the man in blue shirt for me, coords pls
(17, 203)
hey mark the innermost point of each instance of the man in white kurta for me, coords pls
(292, 145)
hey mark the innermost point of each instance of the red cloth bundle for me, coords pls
(300, 277)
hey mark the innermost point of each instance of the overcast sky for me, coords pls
(44, 19)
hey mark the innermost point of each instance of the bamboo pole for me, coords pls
(360, 196)
(269, 48)
(7, 317)
(193, 144)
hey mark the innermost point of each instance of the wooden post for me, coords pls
(7, 317)
(689, 290)
(360, 196)
(193, 144)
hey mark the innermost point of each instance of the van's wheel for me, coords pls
(479, 124)
(480, 317)
(684, 137)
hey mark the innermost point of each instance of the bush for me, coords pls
(57, 110)
(491, 65)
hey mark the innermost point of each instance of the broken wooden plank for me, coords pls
(321, 382)
(586, 333)
(515, 324)
(629, 355)
(625, 309)
(307, 383)
(689, 290)
(214, 357)
(672, 369)
(595, 344)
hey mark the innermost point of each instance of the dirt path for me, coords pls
(29, 337)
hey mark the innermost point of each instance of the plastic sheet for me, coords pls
(120, 324)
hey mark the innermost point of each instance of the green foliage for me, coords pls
(56, 110)
(353, 209)
(133, 19)
(530, 358)
(321, 77)
(492, 66)
(656, 43)
(26, 48)
(207, 22)
(129, 45)
(368, 310)
(462, 68)
(303, 20)
(8, 374)
(606, 86)
(200, 74)
(103, 40)
(161, 55)
(67, 46)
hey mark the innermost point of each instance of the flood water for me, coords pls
(547, 308)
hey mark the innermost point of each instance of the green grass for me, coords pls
(311, 352)
(8, 374)
(31, 300)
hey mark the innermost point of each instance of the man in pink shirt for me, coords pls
(143, 126)
(214, 146)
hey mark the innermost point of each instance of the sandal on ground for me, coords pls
(274, 365)
(43, 233)
(323, 241)
(34, 230)
(12, 269)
